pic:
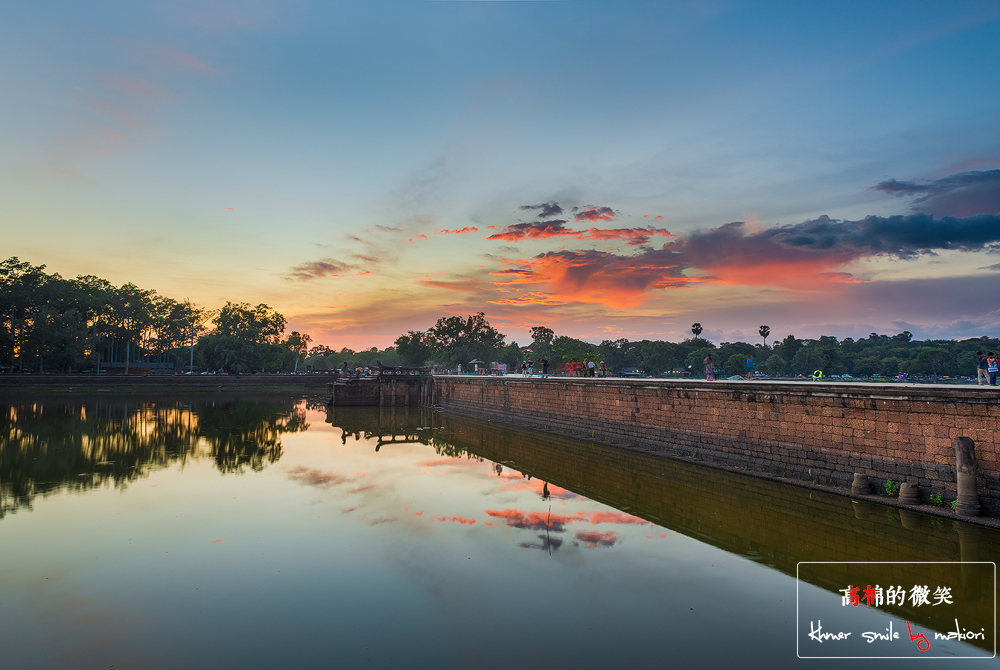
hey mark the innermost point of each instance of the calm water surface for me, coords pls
(268, 532)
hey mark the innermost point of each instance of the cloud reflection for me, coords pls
(593, 539)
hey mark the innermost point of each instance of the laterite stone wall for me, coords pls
(811, 431)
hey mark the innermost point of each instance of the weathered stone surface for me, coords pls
(806, 431)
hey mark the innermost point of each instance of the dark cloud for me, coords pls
(316, 477)
(900, 236)
(963, 194)
(533, 520)
(592, 213)
(545, 543)
(992, 268)
(547, 209)
(802, 256)
(535, 230)
(557, 228)
(326, 267)
(836, 241)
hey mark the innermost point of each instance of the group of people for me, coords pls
(587, 368)
(528, 367)
(987, 367)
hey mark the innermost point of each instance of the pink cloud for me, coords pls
(456, 519)
(463, 231)
(594, 539)
(592, 213)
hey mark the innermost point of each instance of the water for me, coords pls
(266, 532)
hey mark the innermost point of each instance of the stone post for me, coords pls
(970, 544)
(861, 484)
(965, 466)
(909, 494)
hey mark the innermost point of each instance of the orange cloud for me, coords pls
(540, 230)
(462, 286)
(616, 517)
(593, 277)
(533, 520)
(463, 231)
(456, 519)
(634, 236)
(595, 539)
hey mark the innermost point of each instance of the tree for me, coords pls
(696, 329)
(867, 366)
(764, 332)
(245, 338)
(192, 321)
(414, 348)
(935, 361)
(775, 366)
(298, 344)
(890, 366)
(260, 324)
(789, 347)
(458, 340)
(542, 335)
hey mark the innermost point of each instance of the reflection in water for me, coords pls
(442, 529)
(767, 522)
(80, 444)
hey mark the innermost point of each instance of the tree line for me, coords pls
(456, 340)
(87, 323)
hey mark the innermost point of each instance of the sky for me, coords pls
(606, 169)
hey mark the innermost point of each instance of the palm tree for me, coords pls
(696, 329)
(764, 332)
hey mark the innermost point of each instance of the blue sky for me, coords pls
(249, 151)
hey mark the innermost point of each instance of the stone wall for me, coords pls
(816, 432)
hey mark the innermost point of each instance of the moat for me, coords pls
(268, 531)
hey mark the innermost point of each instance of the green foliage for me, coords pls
(260, 324)
(867, 367)
(542, 335)
(788, 348)
(415, 349)
(568, 349)
(936, 500)
(935, 361)
(891, 487)
(457, 341)
(775, 365)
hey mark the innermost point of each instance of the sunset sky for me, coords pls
(607, 169)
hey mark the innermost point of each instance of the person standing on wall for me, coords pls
(981, 372)
(992, 367)
(590, 368)
(709, 368)
(749, 366)
(545, 367)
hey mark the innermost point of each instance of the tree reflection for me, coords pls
(75, 446)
